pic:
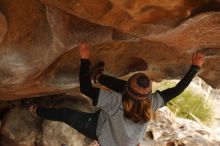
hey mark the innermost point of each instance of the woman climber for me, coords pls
(124, 111)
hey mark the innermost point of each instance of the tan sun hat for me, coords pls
(139, 86)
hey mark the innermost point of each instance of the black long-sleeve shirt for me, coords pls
(119, 85)
(85, 82)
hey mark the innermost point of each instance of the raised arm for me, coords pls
(84, 76)
(197, 62)
(112, 83)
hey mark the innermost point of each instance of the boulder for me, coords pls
(39, 56)
(58, 133)
(20, 128)
(168, 130)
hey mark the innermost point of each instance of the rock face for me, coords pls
(167, 130)
(39, 56)
(3, 27)
(20, 128)
(57, 133)
(39, 38)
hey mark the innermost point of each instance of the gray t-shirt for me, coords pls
(113, 128)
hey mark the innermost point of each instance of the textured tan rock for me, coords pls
(168, 130)
(3, 27)
(57, 133)
(19, 128)
(130, 16)
(39, 56)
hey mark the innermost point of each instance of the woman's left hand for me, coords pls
(198, 59)
(84, 50)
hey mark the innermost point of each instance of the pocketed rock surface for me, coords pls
(39, 41)
(168, 130)
(39, 57)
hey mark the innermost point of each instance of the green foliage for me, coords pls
(190, 104)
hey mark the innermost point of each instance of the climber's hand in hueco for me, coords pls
(84, 50)
(198, 59)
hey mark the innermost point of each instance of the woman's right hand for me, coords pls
(84, 50)
(198, 59)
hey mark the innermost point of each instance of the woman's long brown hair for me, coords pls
(136, 110)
